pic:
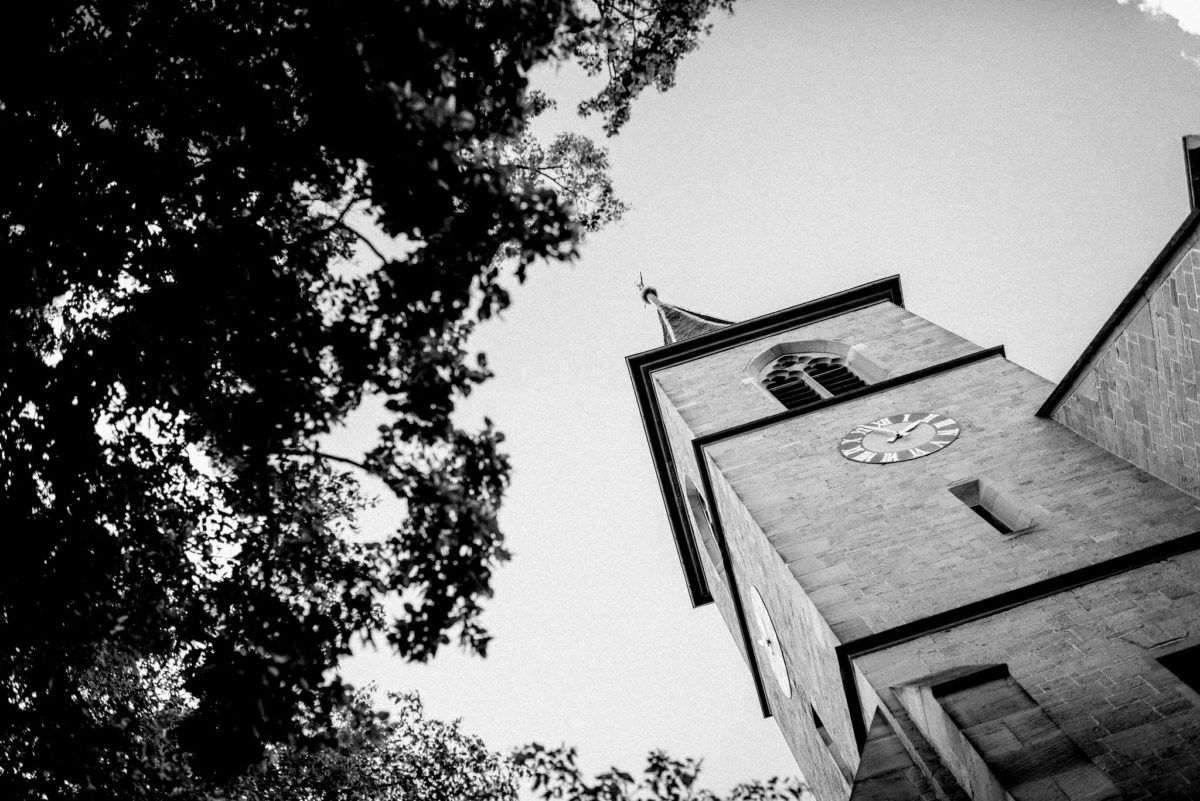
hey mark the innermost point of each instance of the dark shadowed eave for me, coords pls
(680, 324)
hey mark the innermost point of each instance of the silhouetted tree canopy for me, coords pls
(408, 756)
(185, 185)
(555, 776)
(398, 757)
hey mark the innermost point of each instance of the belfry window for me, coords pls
(801, 379)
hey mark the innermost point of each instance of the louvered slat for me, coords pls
(836, 378)
(793, 393)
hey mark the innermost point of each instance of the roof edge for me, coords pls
(706, 318)
(883, 289)
(1161, 262)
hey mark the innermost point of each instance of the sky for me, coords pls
(1018, 164)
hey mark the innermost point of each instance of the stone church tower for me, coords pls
(949, 578)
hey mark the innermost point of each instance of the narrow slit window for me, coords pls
(830, 746)
(991, 519)
(992, 506)
(1185, 664)
(702, 525)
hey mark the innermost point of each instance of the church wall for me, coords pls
(685, 465)
(1088, 658)
(875, 545)
(714, 392)
(1141, 397)
(807, 643)
(796, 619)
(840, 550)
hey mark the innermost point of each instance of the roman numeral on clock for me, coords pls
(914, 434)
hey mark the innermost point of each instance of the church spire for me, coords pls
(678, 324)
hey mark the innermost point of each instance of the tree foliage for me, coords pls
(404, 756)
(407, 756)
(636, 44)
(555, 776)
(186, 187)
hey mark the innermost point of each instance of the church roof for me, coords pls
(1136, 300)
(678, 323)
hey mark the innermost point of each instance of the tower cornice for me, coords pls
(699, 445)
(642, 365)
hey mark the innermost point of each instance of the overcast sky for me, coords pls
(1017, 163)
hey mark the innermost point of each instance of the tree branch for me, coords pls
(572, 192)
(363, 239)
(313, 236)
(316, 454)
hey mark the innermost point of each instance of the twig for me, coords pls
(316, 454)
(364, 240)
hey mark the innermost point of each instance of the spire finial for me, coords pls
(646, 291)
(677, 323)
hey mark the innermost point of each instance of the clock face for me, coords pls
(769, 640)
(899, 438)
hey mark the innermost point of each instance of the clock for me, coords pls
(899, 438)
(769, 640)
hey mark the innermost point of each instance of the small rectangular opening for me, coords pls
(1191, 161)
(830, 746)
(1185, 664)
(993, 506)
(992, 520)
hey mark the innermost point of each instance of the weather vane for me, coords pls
(645, 291)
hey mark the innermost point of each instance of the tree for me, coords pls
(407, 756)
(554, 775)
(399, 757)
(636, 44)
(186, 185)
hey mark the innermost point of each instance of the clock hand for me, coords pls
(889, 431)
(904, 431)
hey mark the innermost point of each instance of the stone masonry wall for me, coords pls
(877, 545)
(1088, 658)
(807, 644)
(810, 643)
(715, 391)
(840, 550)
(685, 465)
(1141, 397)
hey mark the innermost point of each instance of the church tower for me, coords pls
(949, 578)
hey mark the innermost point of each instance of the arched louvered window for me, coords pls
(801, 379)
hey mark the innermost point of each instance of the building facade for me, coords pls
(949, 578)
